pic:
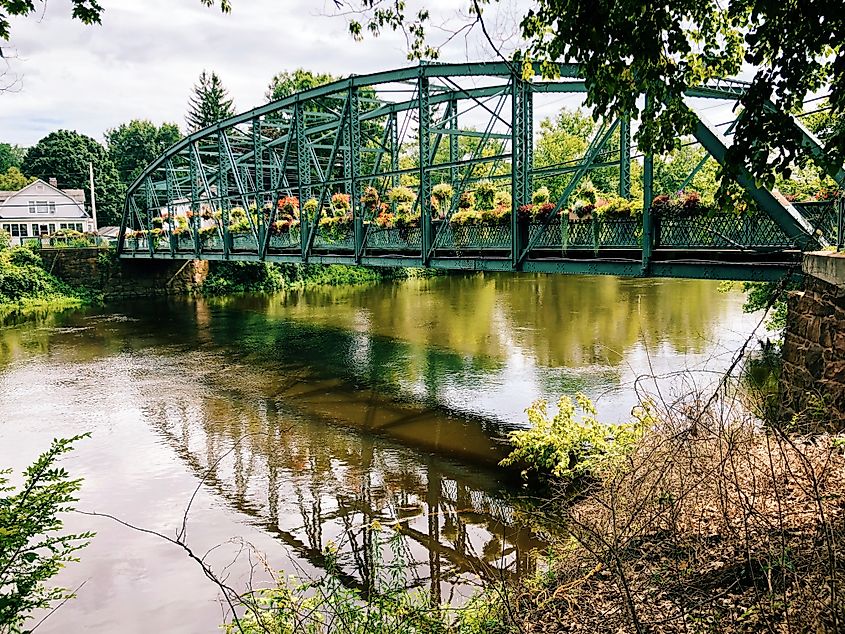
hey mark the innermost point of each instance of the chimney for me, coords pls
(53, 181)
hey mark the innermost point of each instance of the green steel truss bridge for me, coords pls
(457, 124)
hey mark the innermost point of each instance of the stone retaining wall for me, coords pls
(101, 271)
(813, 376)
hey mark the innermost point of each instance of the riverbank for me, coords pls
(26, 286)
(710, 523)
(244, 277)
(67, 278)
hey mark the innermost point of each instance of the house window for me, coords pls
(52, 228)
(15, 231)
(7, 229)
(41, 206)
(52, 207)
(24, 231)
(79, 227)
(32, 206)
(39, 230)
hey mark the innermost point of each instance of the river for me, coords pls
(301, 418)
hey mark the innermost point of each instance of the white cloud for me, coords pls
(145, 57)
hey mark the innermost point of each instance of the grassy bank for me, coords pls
(710, 523)
(693, 518)
(25, 284)
(240, 277)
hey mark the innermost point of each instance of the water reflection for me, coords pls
(307, 416)
(309, 483)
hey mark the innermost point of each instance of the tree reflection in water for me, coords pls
(310, 483)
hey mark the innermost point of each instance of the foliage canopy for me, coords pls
(134, 145)
(65, 155)
(630, 48)
(32, 548)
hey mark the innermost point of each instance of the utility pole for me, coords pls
(93, 196)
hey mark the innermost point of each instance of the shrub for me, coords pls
(583, 209)
(340, 204)
(541, 196)
(336, 227)
(614, 207)
(567, 446)
(543, 211)
(31, 549)
(405, 219)
(485, 194)
(239, 226)
(497, 216)
(23, 256)
(466, 201)
(442, 194)
(587, 192)
(465, 217)
(370, 199)
(385, 220)
(401, 194)
(385, 606)
(310, 207)
(288, 205)
(5, 240)
(502, 199)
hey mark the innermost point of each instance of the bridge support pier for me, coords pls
(812, 381)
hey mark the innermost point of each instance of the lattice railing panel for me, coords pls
(287, 240)
(409, 239)
(823, 216)
(335, 240)
(722, 231)
(473, 237)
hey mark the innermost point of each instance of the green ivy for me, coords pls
(572, 444)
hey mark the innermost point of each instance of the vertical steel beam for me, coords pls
(223, 190)
(424, 194)
(148, 190)
(625, 157)
(394, 149)
(171, 220)
(648, 239)
(353, 124)
(195, 208)
(303, 176)
(454, 141)
(519, 175)
(529, 140)
(258, 180)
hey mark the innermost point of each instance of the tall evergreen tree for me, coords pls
(209, 103)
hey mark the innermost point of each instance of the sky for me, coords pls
(147, 54)
(145, 57)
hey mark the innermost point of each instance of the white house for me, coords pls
(41, 209)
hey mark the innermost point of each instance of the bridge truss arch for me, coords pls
(348, 173)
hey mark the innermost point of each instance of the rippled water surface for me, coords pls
(302, 417)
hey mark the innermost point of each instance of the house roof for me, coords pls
(76, 198)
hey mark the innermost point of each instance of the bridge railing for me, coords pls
(827, 217)
(723, 231)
